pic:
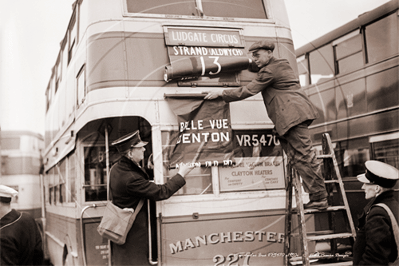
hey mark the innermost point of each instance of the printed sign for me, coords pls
(203, 37)
(250, 241)
(198, 52)
(253, 173)
(204, 132)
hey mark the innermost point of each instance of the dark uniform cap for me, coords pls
(267, 45)
(379, 173)
(128, 141)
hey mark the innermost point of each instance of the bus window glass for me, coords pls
(387, 151)
(351, 156)
(258, 163)
(72, 40)
(350, 63)
(303, 70)
(95, 176)
(71, 178)
(235, 9)
(168, 7)
(382, 38)
(81, 84)
(349, 54)
(62, 174)
(321, 64)
(198, 181)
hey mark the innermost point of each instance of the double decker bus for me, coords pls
(128, 65)
(20, 166)
(351, 75)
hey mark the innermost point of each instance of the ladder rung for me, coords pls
(331, 181)
(315, 233)
(331, 209)
(324, 156)
(332, 236)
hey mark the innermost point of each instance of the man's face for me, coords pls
(262, 57)
(370, 190)
(137, 154)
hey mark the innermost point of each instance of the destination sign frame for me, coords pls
(207, 37)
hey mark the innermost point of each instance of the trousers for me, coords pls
(298, 146)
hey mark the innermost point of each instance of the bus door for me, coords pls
(231, 210)
(99, 156)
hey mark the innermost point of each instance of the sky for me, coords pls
(31, 32)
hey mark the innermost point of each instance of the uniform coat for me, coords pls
(20, 240)
(285, 102)
(129, 183)
(375, 242)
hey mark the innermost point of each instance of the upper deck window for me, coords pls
(222, 8)
(348, 53)
(381, 38)
(321, 64)
(235, 9)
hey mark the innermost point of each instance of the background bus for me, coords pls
(126, 65)
(351, 75)
(20, 169)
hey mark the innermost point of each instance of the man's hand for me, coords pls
(185, 169)
(212, 95)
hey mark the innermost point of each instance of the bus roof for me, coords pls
(361, 20)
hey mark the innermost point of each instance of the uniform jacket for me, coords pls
(20, 240)
(286, 103)
(375, 242)
(129, 183)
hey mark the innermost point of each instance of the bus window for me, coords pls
(95, 173)
(258, 163)
(382, 38)
(386, 151)
(71, 178)
(235, 9)
(62, 174)
(321, 64)
(198, 182)
(348, 53)
(303, 70)
(351, 156)
(181, 7)
(222, 8)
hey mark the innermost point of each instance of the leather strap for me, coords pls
(394, 223)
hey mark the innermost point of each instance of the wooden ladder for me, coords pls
(332, 177)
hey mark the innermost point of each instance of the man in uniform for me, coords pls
(129, 183)
(291, 112)
(375, 242)
(20, 239)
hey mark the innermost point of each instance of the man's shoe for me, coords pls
(319, 205)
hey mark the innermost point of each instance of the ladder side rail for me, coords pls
(301, 218)
(288, 217)
(341, 186)
(328, 174)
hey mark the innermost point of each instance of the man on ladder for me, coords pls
(291, 112)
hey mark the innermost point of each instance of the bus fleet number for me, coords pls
(232, 258)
